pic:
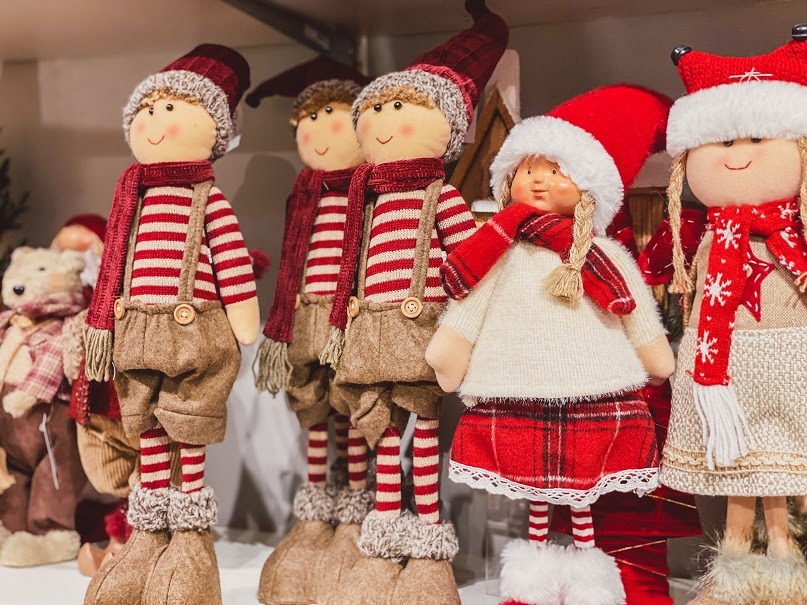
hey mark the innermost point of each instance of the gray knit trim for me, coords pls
(353, 505)
(148, 508)
(424, 540)
(314, 503)
(384, 537)
(443, 92)
(196, 510)
(186, 83)
(348, 87)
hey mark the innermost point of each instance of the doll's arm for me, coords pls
(454, 220)
(45, 376)
(73, 352)
(232, 268)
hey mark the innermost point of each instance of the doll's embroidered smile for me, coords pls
(384, 142)
(321, 152)
(743, 168)
(158, 142)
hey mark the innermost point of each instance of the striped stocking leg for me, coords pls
(388, 474)
(193, 467)
(426, 463)
(539, 522)
(155, 459)
(317, 454)
(582, 527)
(356, 459)
(341, 425)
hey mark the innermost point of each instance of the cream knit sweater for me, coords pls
(530, 345)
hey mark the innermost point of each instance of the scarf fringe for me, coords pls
(723, 424)
(98, 343)
(272, 368)
(333, 350)
(801, 282)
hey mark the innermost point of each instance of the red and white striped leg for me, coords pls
(318, 454)
(582, 527)
(341, 426)
(193, 467)
(356, 459)
(388, 474)
(426, 468)
(155, 459)
(539, 522)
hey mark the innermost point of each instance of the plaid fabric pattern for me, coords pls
(46, 380)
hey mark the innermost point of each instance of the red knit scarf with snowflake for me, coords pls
(301, 213)
(471, 260)
(733, 277)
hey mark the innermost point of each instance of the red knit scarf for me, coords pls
(392, 177)
(174, 174)
(471, 260)
(728, 283)
(301, 212)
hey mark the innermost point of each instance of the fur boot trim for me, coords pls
(592, 578)
(4, 533)
(423, 540)
(148, 508)
(313, 503)
(782, 581)
(732, 576)
(353, 505)
(22, 549)
(196, 510)
(531, 573)
(383, 537)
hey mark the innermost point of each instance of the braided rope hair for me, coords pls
(566, 281)
(681, 281)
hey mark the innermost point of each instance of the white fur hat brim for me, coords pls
(579, 154)
(765, 109)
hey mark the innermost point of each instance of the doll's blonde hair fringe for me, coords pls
(566, 281)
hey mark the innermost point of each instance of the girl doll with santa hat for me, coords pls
(738, 428)
(551, 335)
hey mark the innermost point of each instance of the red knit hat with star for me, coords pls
(216, 76)
(454, 74)
(740, 97)
(600, 140)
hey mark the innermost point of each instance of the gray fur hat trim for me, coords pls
(347, 87)
(148, 508)
(196, 510)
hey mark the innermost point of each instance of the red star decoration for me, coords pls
(757, 271)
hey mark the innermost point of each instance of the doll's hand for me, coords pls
(245, 320)
(18, 402)
(658, 360)
(449, 354)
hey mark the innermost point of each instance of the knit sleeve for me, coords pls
(455, 223)
(231, 264)
(643, 325)
(467, 316)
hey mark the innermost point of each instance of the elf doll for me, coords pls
(297, 330)
(175, 295)
(552, 333)
(738, 427)
(401, 218)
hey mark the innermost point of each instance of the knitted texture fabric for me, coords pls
(470, 262)
(656, 260)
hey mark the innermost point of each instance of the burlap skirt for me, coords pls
(768, 369)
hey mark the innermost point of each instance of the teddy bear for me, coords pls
(37, 510)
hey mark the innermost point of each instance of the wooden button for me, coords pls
(411, 307)
(184, 314)
(119, 310)
(353, 307)
(297, 303)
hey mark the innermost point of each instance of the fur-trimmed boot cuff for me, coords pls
(383, 536)
(423, 540)
(732, 576)
(148, 508)
(314, 503)
(782, 581)
(531, 573)
(592, 578)
(196, 510)
(352, 506)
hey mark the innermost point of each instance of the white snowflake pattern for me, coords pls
(706, 348)
(716, 289)
(787, 236)
(787, 212)
(787, 264)
(729, 235)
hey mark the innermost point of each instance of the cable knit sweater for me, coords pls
(530, 345)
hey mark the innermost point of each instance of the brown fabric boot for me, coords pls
(187, 572)
(289, 576)
(123, 578)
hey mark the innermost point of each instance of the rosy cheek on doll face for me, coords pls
(407, 129)
(336, 127)
(306, 139)
(140, 128)
(364, 127)
(172, 130)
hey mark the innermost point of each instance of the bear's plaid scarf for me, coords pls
(471, 260)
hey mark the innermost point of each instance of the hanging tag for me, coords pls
(43, 427)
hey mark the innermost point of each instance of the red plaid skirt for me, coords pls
(559, 452)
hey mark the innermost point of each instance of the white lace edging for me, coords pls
(640, 481)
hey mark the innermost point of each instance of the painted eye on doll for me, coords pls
(42, 269)
(554, 171)
(728, 143)
(377, 107)
(755, 140)
(397, 105)
(328, 109)
(151, 111)
(529, 170)
(313, 116)
(169, 107)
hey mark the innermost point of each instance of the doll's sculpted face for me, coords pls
(172, 130)
(539, 182)
(326, 139)
(402, 131)
(745, 171)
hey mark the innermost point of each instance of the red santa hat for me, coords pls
(92, 222)
(740, 97)
(216, 76)
(599, 139)
(453, 75)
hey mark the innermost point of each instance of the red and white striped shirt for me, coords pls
(325, 247)
(391, 257)
(224, 271)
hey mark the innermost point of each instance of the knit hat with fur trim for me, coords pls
(740, 97)
(215, 76)
(600, 140)
(453, 75)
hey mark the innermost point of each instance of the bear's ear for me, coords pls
(21, 251)
(72, 260)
